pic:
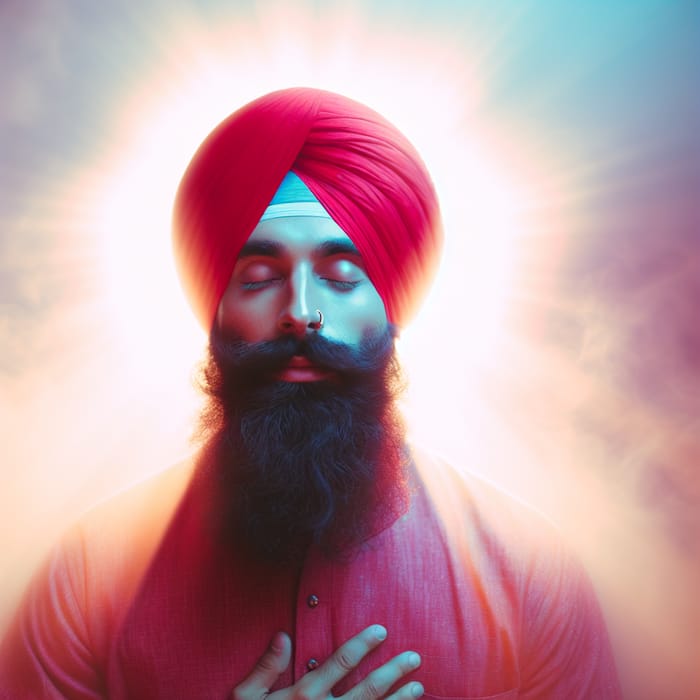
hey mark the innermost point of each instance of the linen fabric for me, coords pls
(141, 603)
(364, 172)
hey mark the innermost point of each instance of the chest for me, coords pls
(199, 624)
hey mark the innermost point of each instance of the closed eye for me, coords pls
(260, 284)
(341, 285)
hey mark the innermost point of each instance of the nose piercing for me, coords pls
(316, 325)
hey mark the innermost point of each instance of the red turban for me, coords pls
(361, 168)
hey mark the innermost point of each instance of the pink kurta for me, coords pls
(140, 603)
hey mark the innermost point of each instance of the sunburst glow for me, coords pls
(557, 351)
(157, 133)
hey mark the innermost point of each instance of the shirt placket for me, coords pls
(313, 634)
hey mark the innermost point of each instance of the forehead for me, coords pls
(299, 234)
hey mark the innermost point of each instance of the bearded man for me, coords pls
(307, 551)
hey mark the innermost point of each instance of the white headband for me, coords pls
(278, 211)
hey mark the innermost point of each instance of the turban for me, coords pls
(364, 172)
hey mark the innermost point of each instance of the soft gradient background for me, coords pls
(559, 352)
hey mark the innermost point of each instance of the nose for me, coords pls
(300, 316)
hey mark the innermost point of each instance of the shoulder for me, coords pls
(490, 517)
(114, 541)
(98, 563)
(61, 633)
(522, 561)
(138, 514)
(512, 549)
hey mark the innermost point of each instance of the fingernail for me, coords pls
(276, 643)
(380, 632)
(417, 690)
(413, 660)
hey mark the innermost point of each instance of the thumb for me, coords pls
(267, 669)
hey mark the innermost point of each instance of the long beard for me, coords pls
(298, 464)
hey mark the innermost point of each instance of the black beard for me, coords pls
(297, 464)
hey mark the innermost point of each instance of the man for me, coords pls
(308, 552)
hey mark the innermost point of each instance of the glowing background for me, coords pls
(559, 352)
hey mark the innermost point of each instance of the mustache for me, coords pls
(271, 356)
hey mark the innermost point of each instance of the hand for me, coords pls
(317, 684)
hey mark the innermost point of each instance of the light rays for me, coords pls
(553, 143)
(118, 346)
(215, 71)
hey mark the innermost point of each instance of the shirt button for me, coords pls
(312, 601)
(311, 664)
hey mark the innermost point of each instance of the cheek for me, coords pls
(364, 313)
(251, 322)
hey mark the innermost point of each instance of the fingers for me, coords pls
(267, 670)
(318, 684)
(347, 656)
(378, 683)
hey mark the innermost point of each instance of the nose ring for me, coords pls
(317, 325)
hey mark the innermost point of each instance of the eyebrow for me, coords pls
(338, 246)
(268, 249)
(273, 249)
